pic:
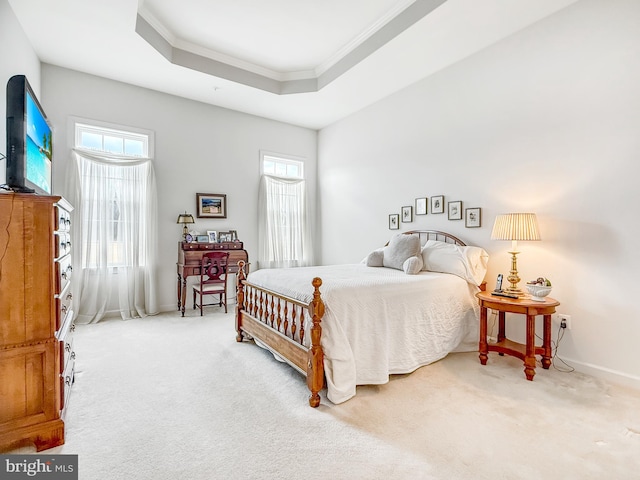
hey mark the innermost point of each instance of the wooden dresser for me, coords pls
(36, 319)
(190, 255)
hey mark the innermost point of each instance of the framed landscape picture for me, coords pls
(421, 206)
(211, 205)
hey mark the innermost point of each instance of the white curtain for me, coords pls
(115, 235)
(284, 238)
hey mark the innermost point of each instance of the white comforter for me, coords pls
(380, 321)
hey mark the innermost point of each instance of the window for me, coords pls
(113, 189)
(282, 167)
(107, 140)
(113, 195)
(284, 239)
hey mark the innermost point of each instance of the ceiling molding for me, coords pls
(199, 58)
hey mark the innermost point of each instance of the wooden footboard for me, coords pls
(278, 322)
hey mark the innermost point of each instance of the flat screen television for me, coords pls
(29, 149)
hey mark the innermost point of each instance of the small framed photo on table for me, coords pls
(213, 236)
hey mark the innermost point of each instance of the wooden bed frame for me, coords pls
(277, 321)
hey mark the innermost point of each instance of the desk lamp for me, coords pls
(514, 227)
(185, 218)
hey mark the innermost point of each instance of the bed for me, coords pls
(357, 324)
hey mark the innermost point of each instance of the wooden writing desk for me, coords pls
(190, 255)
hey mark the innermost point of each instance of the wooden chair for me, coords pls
(213, 279)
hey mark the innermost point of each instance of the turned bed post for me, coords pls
(315, 364)
(240, 299)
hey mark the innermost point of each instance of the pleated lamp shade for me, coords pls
(516, 226)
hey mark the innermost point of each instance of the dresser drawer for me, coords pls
(64, 303)
(67, 353)
(62, 219)
(63, 244)
(63, 273)
(66, 381)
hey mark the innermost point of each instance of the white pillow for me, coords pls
(466, 262)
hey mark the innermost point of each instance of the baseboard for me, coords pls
(607, 374)
(603, 373)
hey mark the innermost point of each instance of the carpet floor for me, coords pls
(168, 397)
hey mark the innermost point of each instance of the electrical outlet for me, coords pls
(565, 321)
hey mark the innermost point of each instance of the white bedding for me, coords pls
(380, 321)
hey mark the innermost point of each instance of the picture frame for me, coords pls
(202, 238)
(211, 205)
(472, 217)
(407, 214)
(455, 210)
(234, 235)
(437, 204)
(394, 221)
(225, 237)
(213, 236)
(421, 206)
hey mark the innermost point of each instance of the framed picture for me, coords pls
(225, 236)
(234, 235)
(421, 206)
(202, 238)
(407, 214)
(211, 205)
(394, 221)
(213, 236)
(455, 210)
(472, 217)
(437, 204)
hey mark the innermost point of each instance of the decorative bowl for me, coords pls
(538, 292)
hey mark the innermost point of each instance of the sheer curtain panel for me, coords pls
(284, 238)
(116, 229)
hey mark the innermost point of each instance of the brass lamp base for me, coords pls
(513, 277)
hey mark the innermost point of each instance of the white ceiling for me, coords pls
(346, 54)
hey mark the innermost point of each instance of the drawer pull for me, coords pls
(67, 347)
(64, 309)
(73, 327)
(67, 380)
(69, 296)
(73, 355)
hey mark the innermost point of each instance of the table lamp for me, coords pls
(185, 218)
(514, 227)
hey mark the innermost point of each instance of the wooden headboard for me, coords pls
(425, 235)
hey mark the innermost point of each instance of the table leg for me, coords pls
(179, 291)
(501, 327)
(483, 348)
(183, 294)
(546, 342)
(530, 354)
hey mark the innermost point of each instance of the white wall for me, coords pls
(199, 148)
(18, 58)
(545, 121)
